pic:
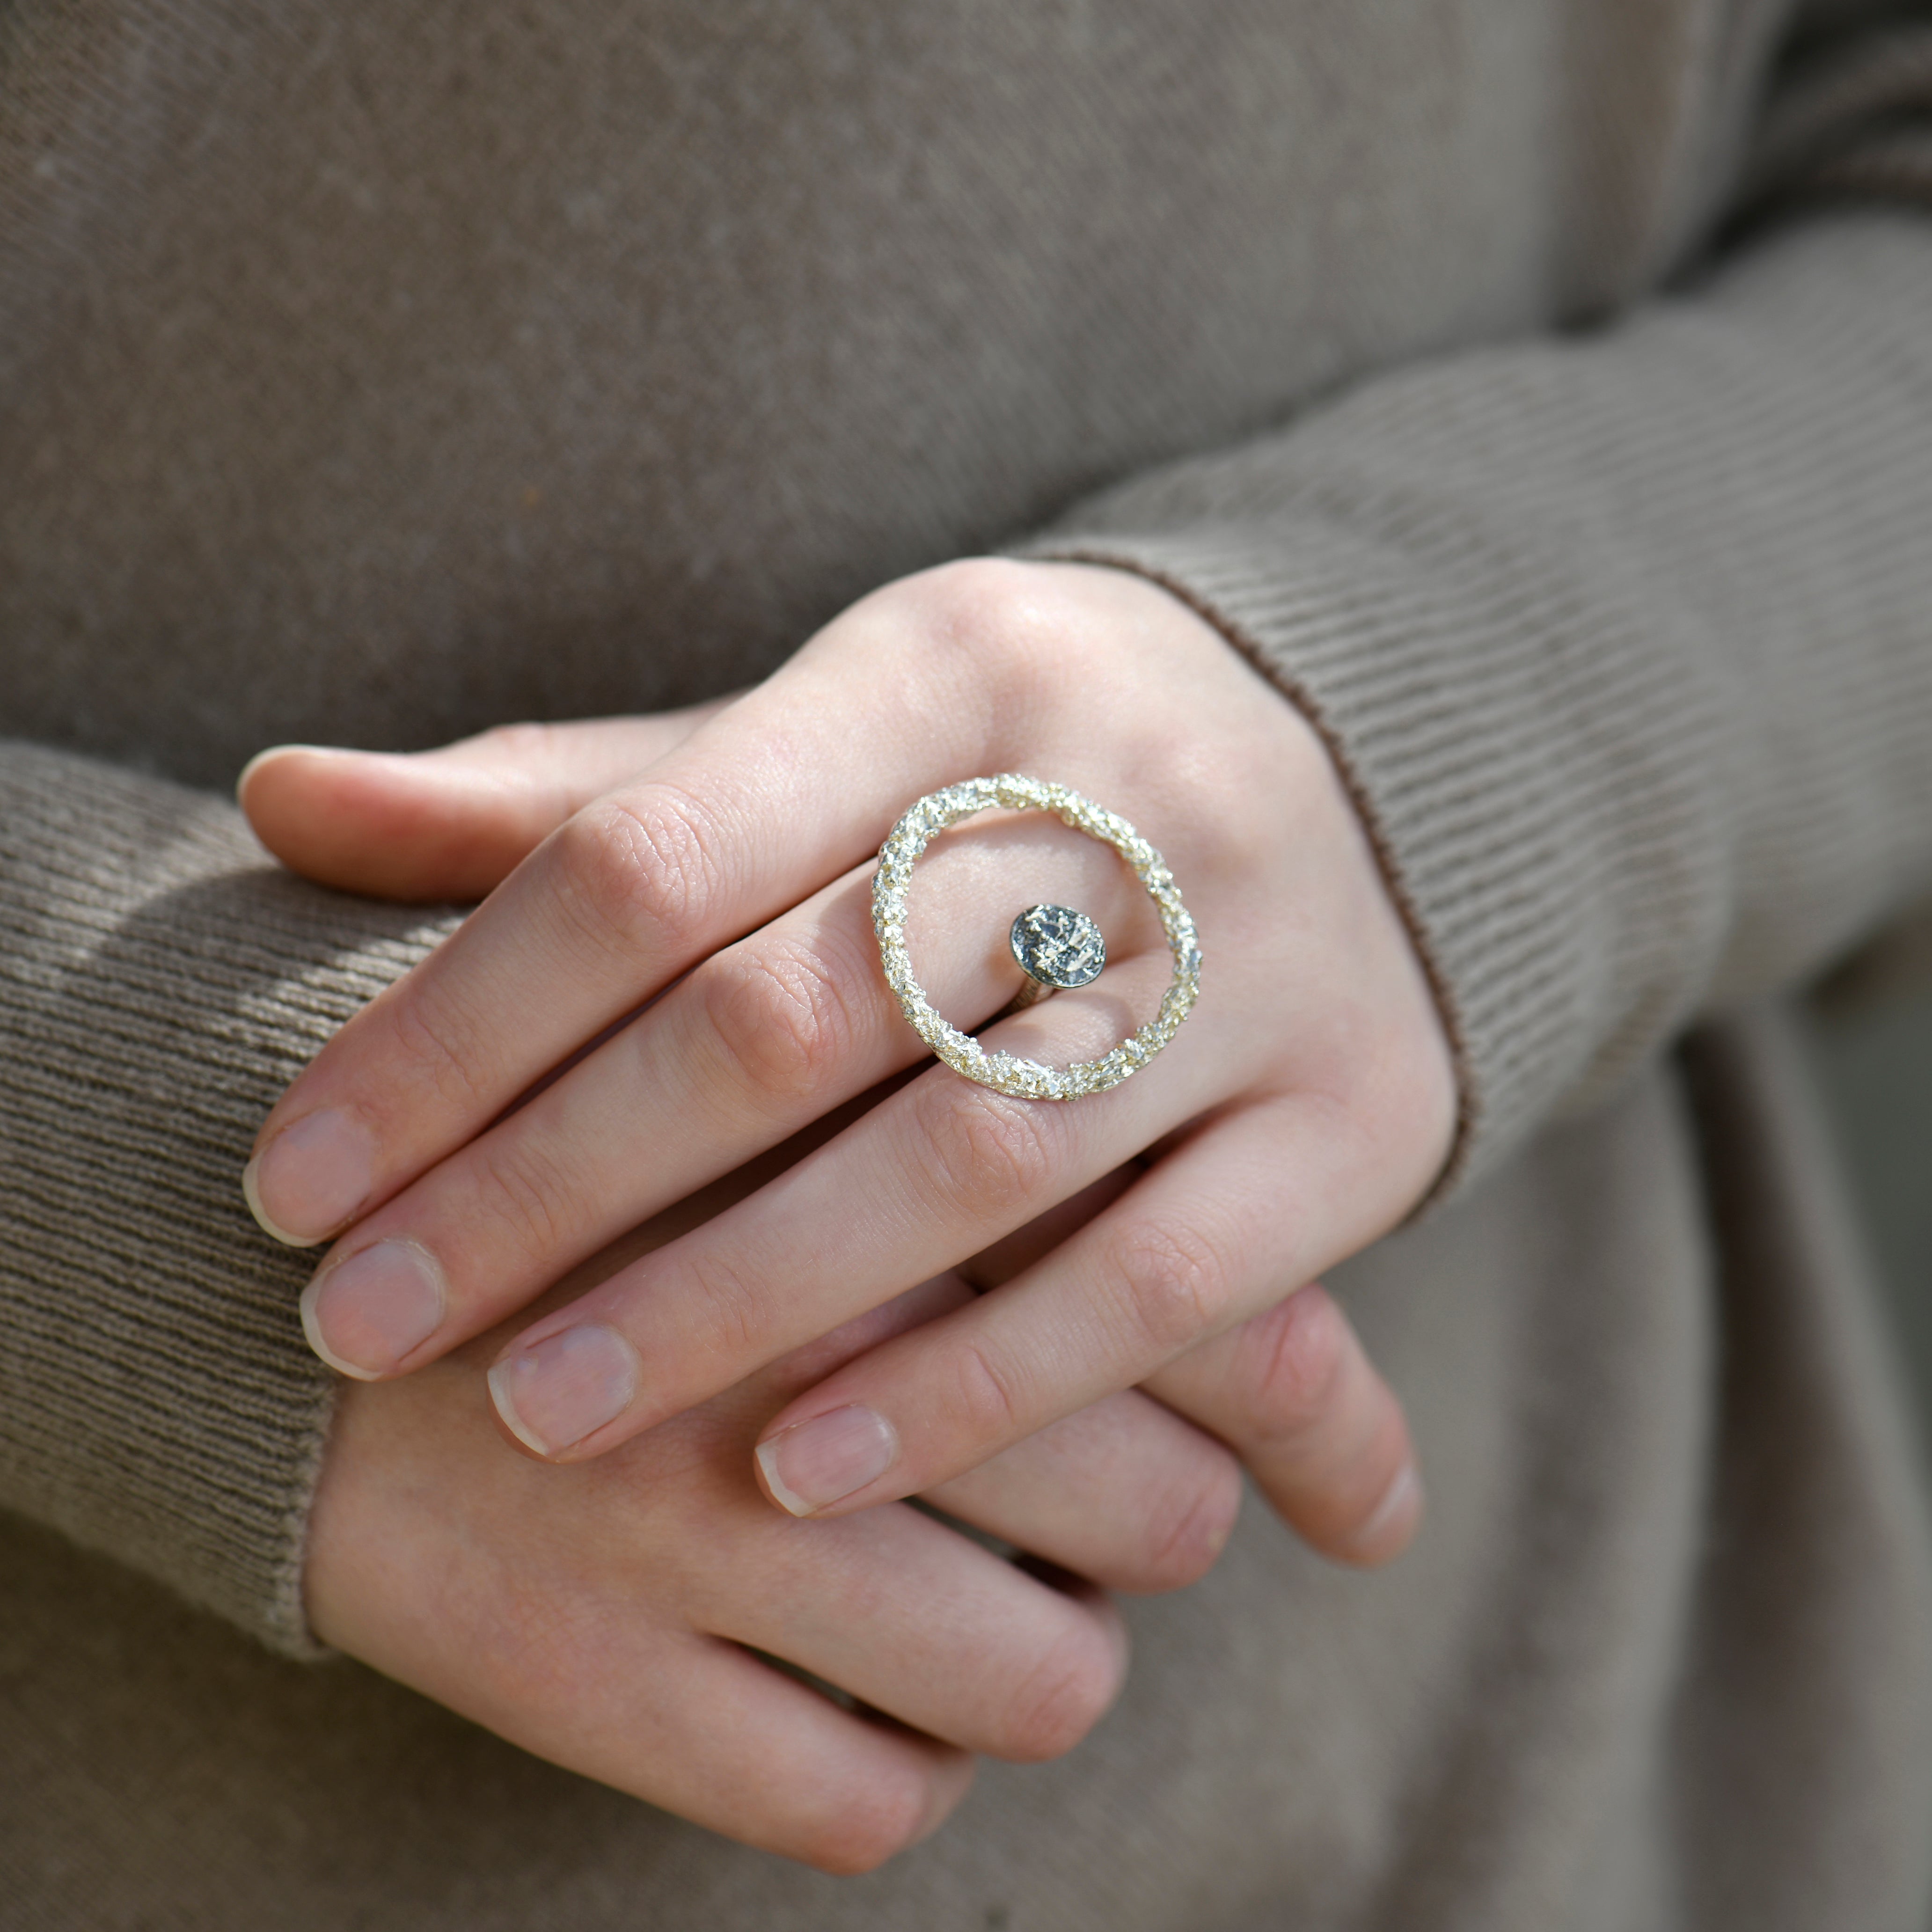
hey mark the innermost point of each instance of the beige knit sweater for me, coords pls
(1540, 390)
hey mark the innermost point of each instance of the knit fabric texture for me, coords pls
(161, 988)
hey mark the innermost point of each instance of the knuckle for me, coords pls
(735, 1317)
(991, 1155)
(780, 1017)
(1347, 1071)
(975, 596)
(999, 614)
(522, 1190)
(1173, 1279)
(518, 740)
(870, 1824)
(1302, 1351)
(1061, 1699)
(1187, 1528)
(638, 872)
(989, 1405)
(438, 1039)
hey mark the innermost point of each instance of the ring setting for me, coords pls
(1056, 947)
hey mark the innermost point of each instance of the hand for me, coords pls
(1302, 1110)
(606, 1615)
(605, 1618)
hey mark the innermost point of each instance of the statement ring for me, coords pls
(1055, 946)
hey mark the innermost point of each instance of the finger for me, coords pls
(930, 1175)
(738, 1746)
(761, 1039)
(908, 1617)
(1125, 1493)
(995, 1265)
(1107, 1492)
(686, 1722)
(526, 1605)
(1293, 1393)
(1199, 1245)
(759, 808)
(915, 1621)
(450, 824)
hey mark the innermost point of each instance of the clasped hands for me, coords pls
(854, 1280)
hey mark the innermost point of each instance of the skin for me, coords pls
(988, 1279)
(606, 1615)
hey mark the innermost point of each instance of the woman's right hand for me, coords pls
(605, 1614)
(606, 1618)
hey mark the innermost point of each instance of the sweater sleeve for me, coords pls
(163, 982)
(1622, 641)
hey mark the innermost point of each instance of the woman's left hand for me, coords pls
(721, 861)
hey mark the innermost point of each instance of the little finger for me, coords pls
(1293, 1393)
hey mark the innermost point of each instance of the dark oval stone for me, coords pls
(1058, 946)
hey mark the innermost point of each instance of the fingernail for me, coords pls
(1401, 1505)
(813, 1465)
(268, 755)
(555, 1392)
(363, 1316)
(309, 1180)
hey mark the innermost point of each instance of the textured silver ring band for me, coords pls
(1028, 1079)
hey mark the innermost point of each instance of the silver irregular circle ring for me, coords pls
(1059, 943)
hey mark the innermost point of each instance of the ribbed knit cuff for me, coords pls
(163, 983)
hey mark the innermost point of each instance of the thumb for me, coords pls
(449, 823)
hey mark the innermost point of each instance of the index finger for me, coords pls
(793, 785)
